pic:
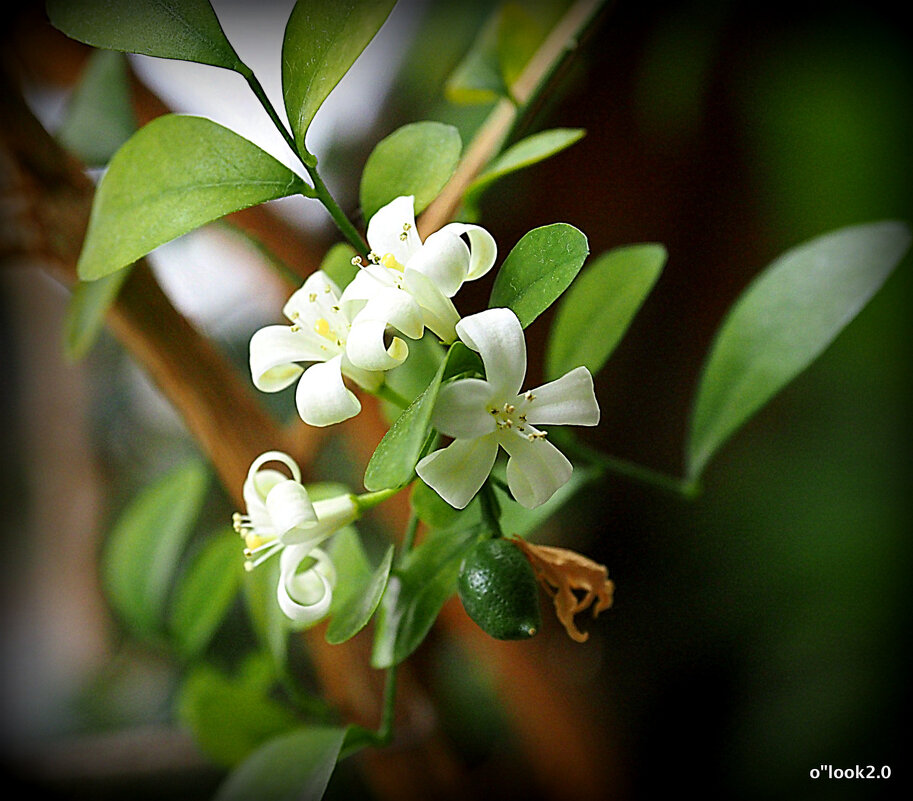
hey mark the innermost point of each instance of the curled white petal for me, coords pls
(496, 334)
(290, 508)
(458, 471)
(569, 400)
(444, 258)
(461, 409)
(367, 347)
(322, 397)
(274, 351)
(259, 481)
(387, 226)
(535, 471)
(305, 597)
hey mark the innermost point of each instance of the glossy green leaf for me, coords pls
(393, 462)
(322, 40)
(174, 175)
(417, 159)
(230, 717)
(538, 269)
(785, 318)
(205, 593)
(417, 591)
(99, 116)
(183, 29)
(144, 547)
(599, 306)
(524, 153)
(358, 588)
(293, 767)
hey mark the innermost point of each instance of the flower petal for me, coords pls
(322, 397)
(444, 258)
(305, 597)
(369, 280)
(536, 469)
(438, 310)
(274, 351)
(457, 472)
(290, 508)
(315, 297)
(386, 227)
(482, 247)
(461, 409)
(498, 337)
(569, 400)
(366, 347)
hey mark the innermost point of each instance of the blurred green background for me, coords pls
(760, 630)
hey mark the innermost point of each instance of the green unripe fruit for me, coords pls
(499, 592)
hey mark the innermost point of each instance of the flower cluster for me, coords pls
(360, 332)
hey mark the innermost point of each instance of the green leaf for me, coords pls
(206, 592)
(358, 588)
(337, 263)
(293, 767)
(417, 159)
(144, 547)
(785, 318)
(183, 29)
(393, 462)
(602, 301)
(270, 625)
(230, 717)
(322, 40)
(98, 121)
(538, 269)
(477, 79)
(433, 510)
(524, 153)
(174, 175)
(417, 591)
(99, 116)
(86, 310)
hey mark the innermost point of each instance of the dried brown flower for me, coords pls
(561, 572)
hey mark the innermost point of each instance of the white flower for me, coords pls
(318, 334)
(408, 284)
(482, 415)
(281, 518)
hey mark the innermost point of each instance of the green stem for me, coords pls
(339, 217)
(387, 393)
(491, 508)
(309, 161)
(409, 535)
(637, 472)
(369, 500)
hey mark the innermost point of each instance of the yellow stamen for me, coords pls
(253, 541)
(390, 262)
(322, 327)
